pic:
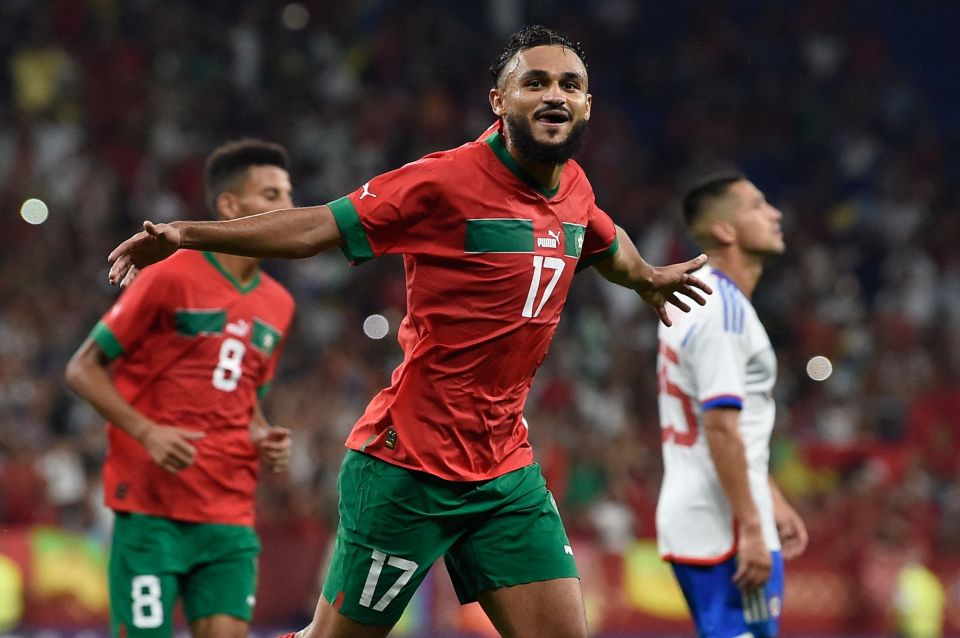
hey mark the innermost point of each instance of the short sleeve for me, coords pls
(717, 355)
(131, 318)
(392, 213)
(600, 238)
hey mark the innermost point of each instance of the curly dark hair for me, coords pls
(229, 160)
(532, 36)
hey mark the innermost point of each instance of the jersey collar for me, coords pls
(233, 280)
(496, 144)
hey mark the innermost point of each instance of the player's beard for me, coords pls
(521, 136)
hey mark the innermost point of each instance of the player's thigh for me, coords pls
(330, 623)
(520, 539)
(391, 531)
(551, 608)
(223, 576)
(143, 576)
(722, 610)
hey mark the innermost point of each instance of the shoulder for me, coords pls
(274, 291)
(728, 304)
(171, 271)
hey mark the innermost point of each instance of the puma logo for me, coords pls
(366, 191)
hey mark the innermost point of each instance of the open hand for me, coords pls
(668, 281)
(154, 243)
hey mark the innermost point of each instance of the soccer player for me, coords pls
(721, 520)
(439, 465)
(194, 344)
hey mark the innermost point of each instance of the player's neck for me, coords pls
(547, 175)
(744, 270)
(243, 269)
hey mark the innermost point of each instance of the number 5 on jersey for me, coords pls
(686, 436)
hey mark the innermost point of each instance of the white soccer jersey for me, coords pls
(717, 355)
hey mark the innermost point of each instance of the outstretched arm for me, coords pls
(290, 233)
(655, 285)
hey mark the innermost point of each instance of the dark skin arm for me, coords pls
(291, 233)
(87, 374)
(303, 232)
(656, 285)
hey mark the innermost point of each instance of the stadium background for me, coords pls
(846, 114)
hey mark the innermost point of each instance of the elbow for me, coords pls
(73, 373)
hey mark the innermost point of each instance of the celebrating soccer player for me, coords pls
(195, 342)
(721, 521)
(439, 465)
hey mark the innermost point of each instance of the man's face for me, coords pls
(260, 189)
(544, 103)
(757, 222)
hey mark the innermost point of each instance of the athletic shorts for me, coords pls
(153, 561)
(721, 610)
(395, 523)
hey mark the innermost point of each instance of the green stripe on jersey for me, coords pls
(592, 259)
(499, 236)
(355, 245)
(191, 323)
(106, 340)
(264, 389)
(254, 282)
(265, 337)
(572, 239)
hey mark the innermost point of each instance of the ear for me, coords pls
(723, 232)
(227, 206)
(586, 112)
(496, 102)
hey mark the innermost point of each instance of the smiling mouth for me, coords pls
(553, 116)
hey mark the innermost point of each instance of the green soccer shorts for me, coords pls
(153, 561)
(395, 523)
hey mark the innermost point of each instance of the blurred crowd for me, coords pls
(845, 114)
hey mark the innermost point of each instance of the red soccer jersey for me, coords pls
(489, 258)
(195, 349)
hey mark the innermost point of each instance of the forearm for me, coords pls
(258, 423)
(730, 461)
(626, 267)
(287, 233)
(86, 375)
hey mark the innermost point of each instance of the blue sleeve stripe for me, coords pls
(723, 401)
(733, 312)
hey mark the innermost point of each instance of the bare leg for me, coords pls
(330, 623)
(551, 608)
(219, 626)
